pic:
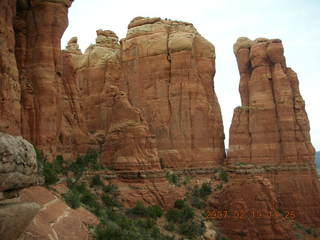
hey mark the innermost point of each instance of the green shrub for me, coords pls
(108, 231)
(72, 198)
(169, 227)
(205, 190)
(179, 204)
(173, 178)
(198, 203)
(173, 215)
(154, 211)
(187, 213)
(223, 176)
(49, 173)
(146, 223)
(59, 165)
(110, 188)
(96, 181)
(191, 229)
(139, 209)
(110, 201)
(89, 199)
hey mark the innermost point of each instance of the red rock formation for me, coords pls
(97, 69)
(149, 189)
(271, 126)
(10, 92)
(39, 28)
(270, 154)
(55, 219)
(167, 71)
(129, 143)
(73, 136)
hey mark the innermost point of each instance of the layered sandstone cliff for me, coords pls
(167, 72)
(271, 126)
(50, 111)
(270, 153)
(166, 69)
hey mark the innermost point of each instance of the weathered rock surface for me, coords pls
(15, 217)
(55, 219)
(18, 169)
(129, 142)
(39, 27)
(150, 190)
(97, 69)
(271, 126)
(270, 149)
(10, 92)
(74, 136)
(167, 72)
(18, 164)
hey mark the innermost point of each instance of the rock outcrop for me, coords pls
(270, 154)
(55, 219)
(18, 169)
(15, 217)
(271, 126)
(167, 72)
(39, 26)
(10, 92)
(18, 164)
(98, 68)
(129, 142)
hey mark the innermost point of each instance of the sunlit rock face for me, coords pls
(167, 72)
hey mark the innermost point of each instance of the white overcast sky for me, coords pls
(296, 22)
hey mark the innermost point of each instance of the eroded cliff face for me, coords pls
(148, 103)
(167, 71)
(97, 69)
(271, 126)
(270, 155)
(129, 142)
(10, 92)
(50, 111)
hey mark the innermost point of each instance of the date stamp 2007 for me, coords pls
(250, 213)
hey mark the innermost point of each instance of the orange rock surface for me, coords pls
(271, 126)
(10, 91)
(97, 69)
(270, 155)
(167, 72)
(39, 28)
(55, 219)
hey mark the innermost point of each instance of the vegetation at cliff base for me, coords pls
(101, 198)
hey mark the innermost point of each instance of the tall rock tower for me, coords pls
(167, 71)
(274, 181)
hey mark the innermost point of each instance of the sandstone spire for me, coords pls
(270, 157)
(271, 126)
